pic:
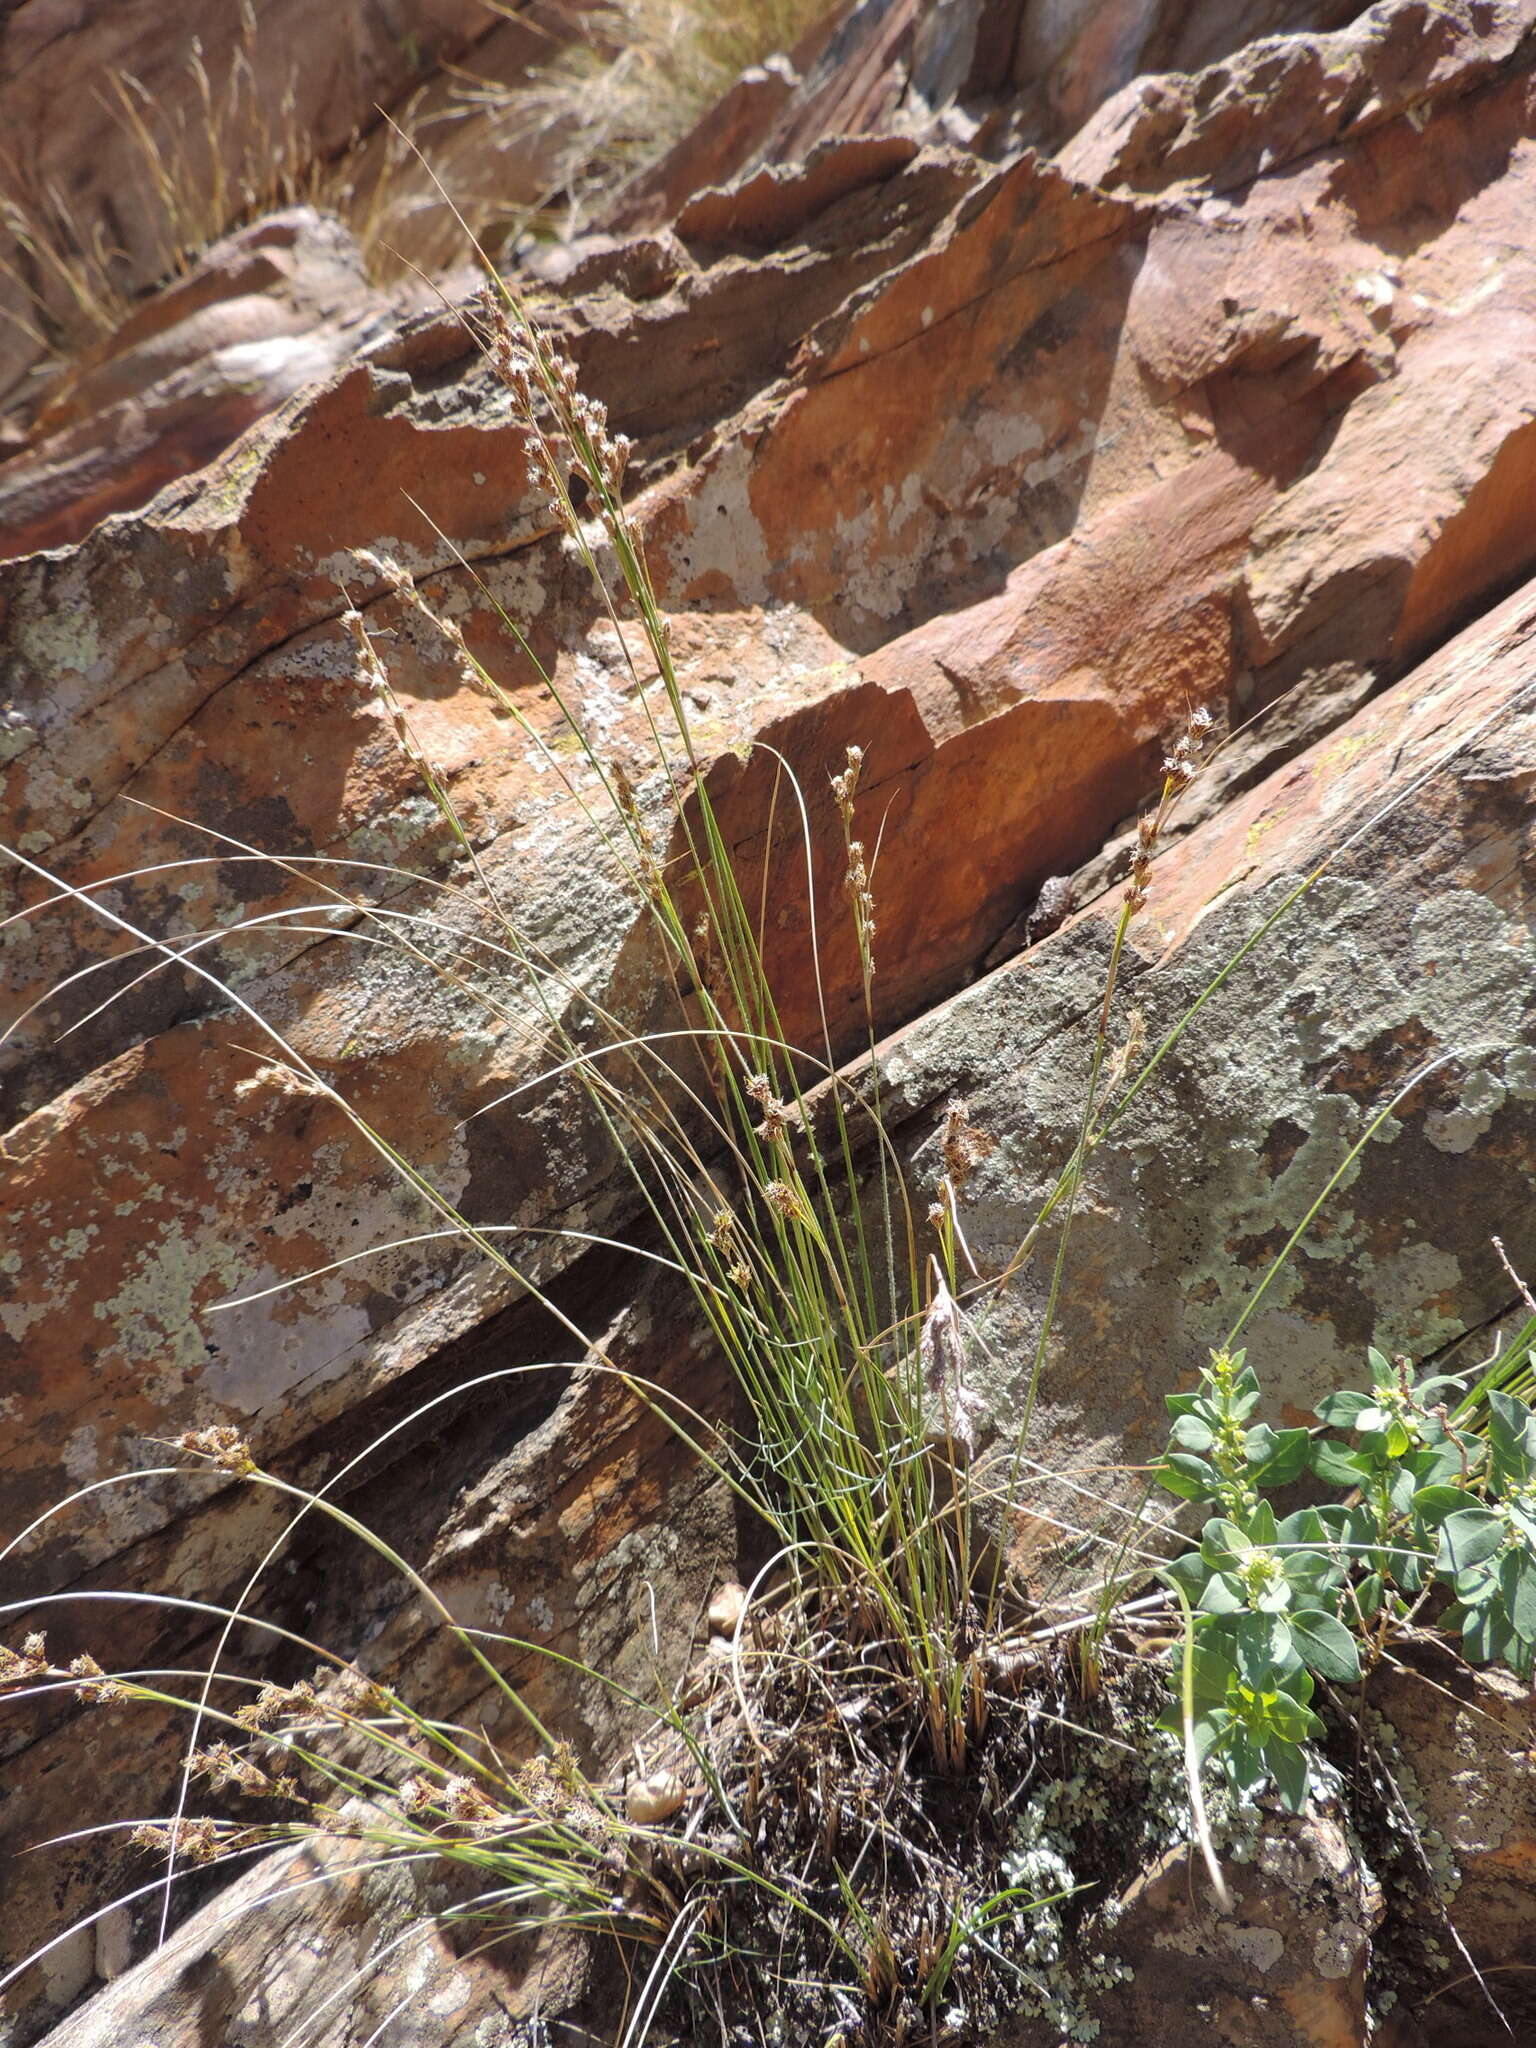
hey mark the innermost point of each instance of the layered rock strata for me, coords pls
(996, 471)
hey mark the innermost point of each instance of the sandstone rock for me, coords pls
(263, 314)
(1284, 1968)
(1283, 97)
(1459, 1747)
(250, 1962)
(993, 75)
(1336, 1011)
(996, 473)
(73, 153)
(536, 1505)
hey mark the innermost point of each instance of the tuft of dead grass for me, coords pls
(634, 80)
(623, 81)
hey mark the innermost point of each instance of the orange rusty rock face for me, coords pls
(995, 473)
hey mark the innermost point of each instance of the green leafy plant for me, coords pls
(1276, 1604)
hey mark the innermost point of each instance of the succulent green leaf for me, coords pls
(1427, 1392)
(1337, 1466)
(1466, 1539)
(1221, 1595)
(1212, 1673)
(1189, 1477)
(1437, 1464)
(1326, 1645)
(1433, 1503)
(1511, 1431)
(1210, 1730)
(1288, 1766)
(1339, 1411)
(1299, 1684)
(1369, 1595)
(1192, 1433)
(1486, 1636)
(1223, 1545)
(1261, 1645)
(1517, 1589)
(1189, 1572)
(1312, 1573)
(1286, 1460)
(1476, 1586)
(1262, 1526)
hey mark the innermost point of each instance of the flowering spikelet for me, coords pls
(1183, 757)
(419, 1795)
(1179, 765)
(276, 1077)
(222, 1766)
(776, 1115)
(221, 1444)
(94, 1687)
(722, 1229)
(351, 1692)
(844, 785)
(782, 1198)
(468, 1802)
(192, 1841)
(860, 894)
(863, 900)
(391, 572)
(724, 1234)
(1130, 1051)
(277, 1703)
(543, 1786)
(533, 369)
(32, 1663)
(553, 1787)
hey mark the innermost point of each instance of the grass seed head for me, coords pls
(222, 1445)
(275, 1704)
(30, 1664)
(785, 1201)
(776, 1114)
(190, 1841)
(94, 1686)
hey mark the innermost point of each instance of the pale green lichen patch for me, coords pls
(152, 1314)
(61, 634)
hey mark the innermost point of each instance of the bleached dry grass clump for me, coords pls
(631, 78)
(634, 80)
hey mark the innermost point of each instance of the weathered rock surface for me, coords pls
(995, 470)
(995, 76)
(262, 315)
(1283, 1967)
(73, 150)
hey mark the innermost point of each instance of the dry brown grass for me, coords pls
(229, 154)
(634, 77)
(637, 77)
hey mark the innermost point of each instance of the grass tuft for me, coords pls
(230, 145)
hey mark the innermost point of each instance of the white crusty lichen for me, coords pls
(1064, 1976)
